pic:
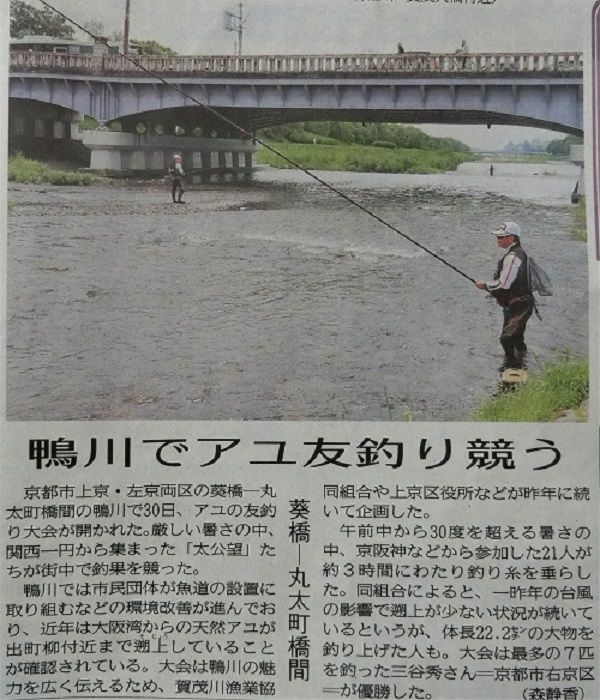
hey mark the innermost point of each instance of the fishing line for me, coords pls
(243, 131)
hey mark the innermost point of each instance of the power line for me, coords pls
(243, 131)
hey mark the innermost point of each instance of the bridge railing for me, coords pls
(351, 63)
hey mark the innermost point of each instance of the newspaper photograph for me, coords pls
(300, 349)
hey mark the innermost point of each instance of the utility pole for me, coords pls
(126, 30)
(240, 28)
(235, 23)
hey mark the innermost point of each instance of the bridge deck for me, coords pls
(415, 63)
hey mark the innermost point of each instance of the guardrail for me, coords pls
(356, 63)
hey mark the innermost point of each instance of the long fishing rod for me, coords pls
(243, 131)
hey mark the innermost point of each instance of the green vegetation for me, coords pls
(364, 158)
(150, 47)
(356, 133)
(384, 144)
(88, 124)
(26, 20)
(562, 147)
(579, 228)
(562, 385)
(382, 148)
(21, 169)
(538, 151)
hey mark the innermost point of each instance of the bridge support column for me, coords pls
(203, 158)
(38, 129)
(577, 157)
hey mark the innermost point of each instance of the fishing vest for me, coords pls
(520, 287)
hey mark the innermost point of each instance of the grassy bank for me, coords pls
(21, 169)
(579, 230)
(364, 158)
(560, 386)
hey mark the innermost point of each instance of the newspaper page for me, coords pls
(300, 349)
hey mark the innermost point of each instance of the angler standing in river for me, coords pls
(511, 289)
(177, 174)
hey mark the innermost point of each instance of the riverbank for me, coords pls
(26, 170)
(561, 387)
(533, 158)
(369, 159)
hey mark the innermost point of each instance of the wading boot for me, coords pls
(521, 354)
(506, 363)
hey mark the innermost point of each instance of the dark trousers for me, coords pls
(512, 337)
(177, 187)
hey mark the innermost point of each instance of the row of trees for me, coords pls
(558, 147)
(562, 147)
(394, 135)
(525, 147)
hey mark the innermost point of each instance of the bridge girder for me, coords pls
(551, 103)
(259, 121)
(253, 119)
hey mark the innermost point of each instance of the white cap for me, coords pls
(508, 228)
(177, 157)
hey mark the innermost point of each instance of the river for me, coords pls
(275, 299)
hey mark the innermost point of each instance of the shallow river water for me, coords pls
(275, 299)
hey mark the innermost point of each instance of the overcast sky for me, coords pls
(355, 26)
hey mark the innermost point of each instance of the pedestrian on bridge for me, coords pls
(511, 288)
(177, 174)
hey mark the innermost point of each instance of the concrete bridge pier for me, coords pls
(204, 159)
(41, 129)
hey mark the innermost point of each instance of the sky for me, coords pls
(356, 26)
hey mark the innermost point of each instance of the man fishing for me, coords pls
(177, 174)
(511, 289)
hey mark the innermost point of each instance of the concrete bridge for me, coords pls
(526, 89)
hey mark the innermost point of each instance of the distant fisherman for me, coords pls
(511, 289)
(177, 174)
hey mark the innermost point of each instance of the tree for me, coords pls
(94, 27)
(153, 48)
(26, 20)
(562, 147)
